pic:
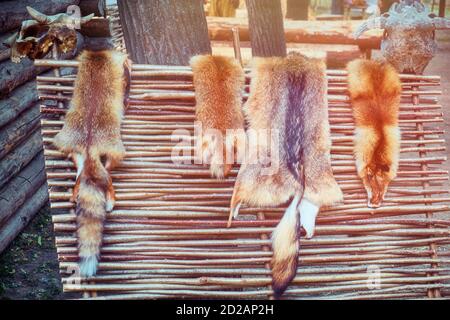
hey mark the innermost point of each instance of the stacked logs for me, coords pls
(167, 236)
(23, 189)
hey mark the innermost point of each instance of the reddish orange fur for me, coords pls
(218, 83)
(91, 131)
(375, 90)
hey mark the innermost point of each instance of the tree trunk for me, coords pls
(165, 32)
(297, 9)
(442, 8)
(266, 28)
(337, 7)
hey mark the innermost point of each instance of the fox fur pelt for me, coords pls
(218, 83)
(91, 131)
(375, 90)
(288, 98)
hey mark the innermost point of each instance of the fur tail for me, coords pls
(91, 212)
(285, 246)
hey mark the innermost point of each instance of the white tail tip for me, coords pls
(308, 214)
(88, 266)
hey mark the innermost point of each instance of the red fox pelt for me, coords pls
(218, 83)
(90, 133)
(288, 97)
(375, 90)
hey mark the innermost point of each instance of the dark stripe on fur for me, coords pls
(127, 76)
(294, 128)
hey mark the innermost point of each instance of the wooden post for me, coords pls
(266, 28)
(297, 9)
(337, 7)
(441, 8)
(167, 32)
(237, 45)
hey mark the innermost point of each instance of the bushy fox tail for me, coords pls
(94, 199)
(285, 246)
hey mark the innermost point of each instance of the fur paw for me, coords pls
(308, 214)
(109, 206)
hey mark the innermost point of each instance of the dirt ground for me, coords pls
(29, 267)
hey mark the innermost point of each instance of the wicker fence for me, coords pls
(167, 237)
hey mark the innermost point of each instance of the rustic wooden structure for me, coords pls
(314, 32)
(23, 189)
(167, 236)
(332, 40)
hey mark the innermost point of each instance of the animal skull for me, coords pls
(36, 37)
(408, 41)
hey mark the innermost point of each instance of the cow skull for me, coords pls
(408, 41)
(36, 37)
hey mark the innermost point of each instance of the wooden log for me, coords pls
(16, 131)
(98, 43)
(19, 100)
(12, 13)
(21, 188)
(96, 27)
(17, 159)
(23, 216)
(331, 32)
(5, 52)
(441, 8)
(97, 7)
(336, 56)
(13, 75)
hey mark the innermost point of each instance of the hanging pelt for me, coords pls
(375, 90)
(91, 132)
(218, 83)
(287, 112)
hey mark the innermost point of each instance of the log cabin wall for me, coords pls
(23, 187)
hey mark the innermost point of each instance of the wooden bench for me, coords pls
(167, 236)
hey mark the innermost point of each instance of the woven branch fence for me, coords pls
(167, 236)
